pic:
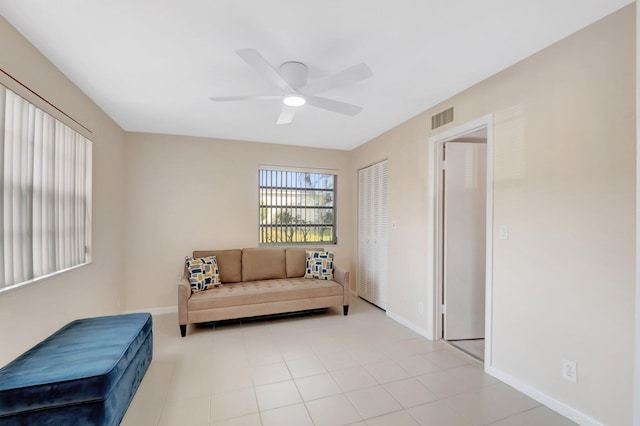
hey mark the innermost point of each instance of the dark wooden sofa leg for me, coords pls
(345, 309)
(183, 330)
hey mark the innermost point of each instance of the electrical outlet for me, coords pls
(420, 308)
(569, 371)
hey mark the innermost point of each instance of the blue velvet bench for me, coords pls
(84, 374)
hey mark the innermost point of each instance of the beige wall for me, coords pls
(564, 182)
(636, 376)
(32, 312)
(186, 193)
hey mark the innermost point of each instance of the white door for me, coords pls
(464, 221)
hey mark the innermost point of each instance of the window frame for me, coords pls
(290, 189)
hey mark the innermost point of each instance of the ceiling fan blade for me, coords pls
(262, 67)
(243, 98)
(286, 115)
(333, 105)
(345, 77)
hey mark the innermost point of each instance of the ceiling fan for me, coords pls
(291, 79)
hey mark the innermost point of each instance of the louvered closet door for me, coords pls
(383, 236)
(373, 234)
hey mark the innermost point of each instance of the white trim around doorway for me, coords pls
(434, 260)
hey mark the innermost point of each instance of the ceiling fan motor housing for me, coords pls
(295, 73)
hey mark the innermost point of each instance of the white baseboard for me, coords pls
(411, 326)
(552, 403)
(156, 311)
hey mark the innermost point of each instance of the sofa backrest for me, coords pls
(296, 261)
(229, 263)
(263, 263)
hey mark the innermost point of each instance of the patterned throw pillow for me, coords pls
(319, 265)
(203, 273)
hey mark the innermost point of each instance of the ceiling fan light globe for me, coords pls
(294, 100)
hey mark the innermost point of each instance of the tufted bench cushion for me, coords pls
(85, 373)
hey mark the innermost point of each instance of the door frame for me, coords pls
(434, 223)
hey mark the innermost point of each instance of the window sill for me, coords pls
(13, 287)
(292, 245)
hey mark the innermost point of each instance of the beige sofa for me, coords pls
(259, 281)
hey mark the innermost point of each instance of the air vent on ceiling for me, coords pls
(442, 118)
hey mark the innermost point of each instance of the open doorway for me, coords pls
(462, 236)
(463, 195)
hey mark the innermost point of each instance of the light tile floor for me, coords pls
(324, 369)
(474, 347)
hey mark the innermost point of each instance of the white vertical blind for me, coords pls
(373, 233)
(45, 210)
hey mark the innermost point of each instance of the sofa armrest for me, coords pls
(184, 293)
(342, 277)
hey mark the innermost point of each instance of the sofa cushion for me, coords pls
(319, 265)
(296, 260)
(203, 273)
(229, 263)
(266, 291)
(263, 264)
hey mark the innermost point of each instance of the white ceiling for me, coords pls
(153, 64)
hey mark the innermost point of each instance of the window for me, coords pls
(296, 207)
(45, 208)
